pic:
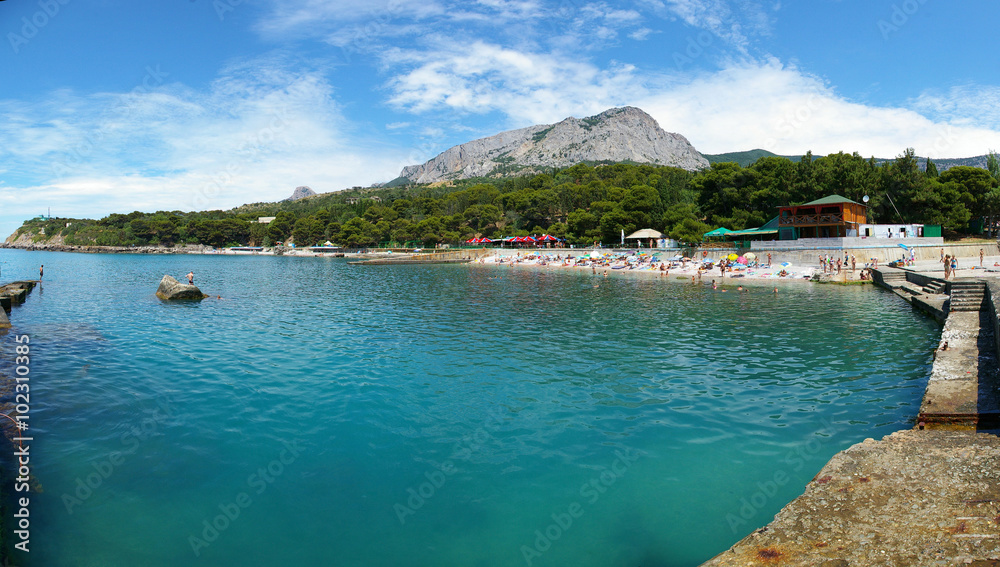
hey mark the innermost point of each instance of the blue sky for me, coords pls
(113, 106)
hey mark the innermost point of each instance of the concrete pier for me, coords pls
(12, 295)
(924, 496)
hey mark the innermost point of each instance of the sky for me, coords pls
(113, 106)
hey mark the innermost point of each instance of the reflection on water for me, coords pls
(441, 415)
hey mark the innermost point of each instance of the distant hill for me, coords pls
(624, 134)
(745, 159)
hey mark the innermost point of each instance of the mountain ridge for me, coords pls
(623, 134)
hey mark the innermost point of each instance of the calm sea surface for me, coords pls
(334, 415)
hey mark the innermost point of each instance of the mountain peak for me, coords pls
(623, 134)
(301, 192)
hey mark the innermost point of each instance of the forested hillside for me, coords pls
(582, 203)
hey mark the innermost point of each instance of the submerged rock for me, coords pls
(171, 289)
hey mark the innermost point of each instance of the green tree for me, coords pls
(308, 231)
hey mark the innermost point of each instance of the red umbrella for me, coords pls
(485, 240)
(529, 239)
(547, 238)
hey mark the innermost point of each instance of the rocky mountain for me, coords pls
(624, 134)
(301, 193)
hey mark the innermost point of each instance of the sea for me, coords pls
(317, 413)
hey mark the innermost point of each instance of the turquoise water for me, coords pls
(328, 414)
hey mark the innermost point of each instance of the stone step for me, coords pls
(935, 287)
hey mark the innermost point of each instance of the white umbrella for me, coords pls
(644, 233)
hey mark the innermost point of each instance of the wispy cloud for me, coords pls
(966, 104)
(742, 106)
(783, 109)
(259, 130)
(737, 22)
(483, 77)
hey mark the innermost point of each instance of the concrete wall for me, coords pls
(849, 242)
(886, 250)
(992, 300)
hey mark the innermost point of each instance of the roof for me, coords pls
(831, 200)
(752, 231)
(721, 231)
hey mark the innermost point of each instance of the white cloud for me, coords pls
(735, 21)
(256, 133)
(743, 106)
(527, 87)
(781, 109)
(966, 104)
(640, 34)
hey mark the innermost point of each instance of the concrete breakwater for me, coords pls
(12, 295)
(925, 496)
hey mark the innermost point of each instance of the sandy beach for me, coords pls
(757, 270)
(656, 264)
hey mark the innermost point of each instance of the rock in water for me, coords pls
(624, 134)
(171, 289)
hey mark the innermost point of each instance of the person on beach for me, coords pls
(947, 265)
(942, 254)
(980, 257)
(714, 286)
(853, 259)
(190, 278)
(838, 265)
(768, 259)
(41, 272)
(954, 265)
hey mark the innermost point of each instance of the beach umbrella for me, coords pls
(595, 254)
(644, 234)
(529, 239)
(485, 240)
(547, 238)
(750, 256)
(742, 260)
(733, 256)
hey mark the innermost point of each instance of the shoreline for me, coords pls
(625, 261)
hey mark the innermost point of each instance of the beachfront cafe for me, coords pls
(829, 217)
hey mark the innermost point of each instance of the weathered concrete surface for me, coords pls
(962, 389)
(914, 498)
(933, 303)
(170, 289)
